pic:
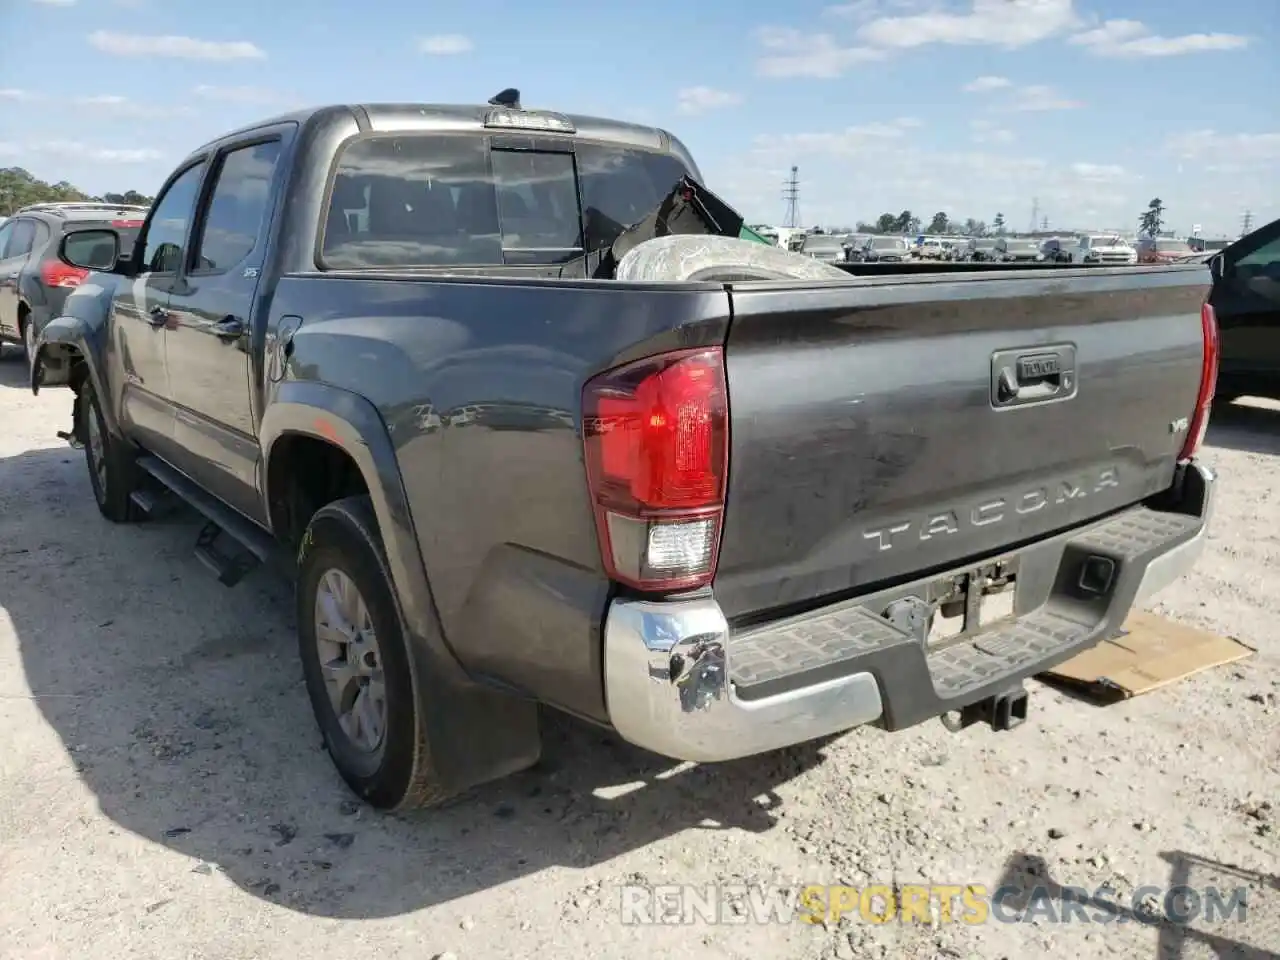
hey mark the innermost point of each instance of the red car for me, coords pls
(1164, 250)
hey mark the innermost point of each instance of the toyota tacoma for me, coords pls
(531, 424)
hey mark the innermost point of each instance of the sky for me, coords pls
(1082, 110)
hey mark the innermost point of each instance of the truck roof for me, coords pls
(458, 118)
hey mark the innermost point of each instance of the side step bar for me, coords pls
(229, 545)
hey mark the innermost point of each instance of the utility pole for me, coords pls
(1044, 224)
(791, 194)
(1246, 222)
(1035, 213)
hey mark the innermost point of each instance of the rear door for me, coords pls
(874, 435)
(208, 343)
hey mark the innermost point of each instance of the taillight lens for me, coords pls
(656, 435)
(57, 274)
(1208, 384)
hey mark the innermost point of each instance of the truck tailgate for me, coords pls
(887, 427)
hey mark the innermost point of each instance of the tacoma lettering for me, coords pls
(946, 522)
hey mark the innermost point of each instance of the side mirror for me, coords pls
(91, 249)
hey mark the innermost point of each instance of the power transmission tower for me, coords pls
(1246, 222)
(791, 194)
(1035, 213)
(1044, 224)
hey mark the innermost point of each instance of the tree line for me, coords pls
(19, 189)
(940, 224)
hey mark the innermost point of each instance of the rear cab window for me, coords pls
(420, 200)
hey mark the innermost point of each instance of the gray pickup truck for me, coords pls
(696, 495)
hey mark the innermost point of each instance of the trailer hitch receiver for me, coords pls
(1003, 711)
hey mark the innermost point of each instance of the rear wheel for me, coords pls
(112, 471)
(355, 659)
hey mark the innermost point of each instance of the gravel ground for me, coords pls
(163, 792)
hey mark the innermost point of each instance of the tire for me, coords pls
(113, 475)
(398, 772)
(690, 257)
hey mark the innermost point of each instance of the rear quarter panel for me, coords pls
(479, 383)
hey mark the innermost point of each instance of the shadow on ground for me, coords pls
(14, 371)
(1245, 427)
(1201, 906)
(182, 707)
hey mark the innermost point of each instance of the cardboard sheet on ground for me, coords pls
(1150, 652)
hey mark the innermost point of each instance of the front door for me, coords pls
(140, 316)
(210, 314)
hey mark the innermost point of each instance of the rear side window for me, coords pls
(423, 200)
(21, 239)
(237, 207)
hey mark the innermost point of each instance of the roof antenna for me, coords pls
(509, 98)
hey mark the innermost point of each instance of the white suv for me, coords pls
(1101, 248)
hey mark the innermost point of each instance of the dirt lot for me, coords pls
(163, 792)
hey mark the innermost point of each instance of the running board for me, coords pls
(229, 545)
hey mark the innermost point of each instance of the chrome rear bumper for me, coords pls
(670, 686)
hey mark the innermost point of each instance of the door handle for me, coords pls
(231, 328)
(158, 316)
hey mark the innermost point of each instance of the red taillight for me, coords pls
(57, 274)
(1208, 384)
(126, 223)
(656, 435)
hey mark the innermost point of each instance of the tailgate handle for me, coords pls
(1031, 376)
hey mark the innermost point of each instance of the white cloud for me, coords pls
(1006, 23)
(446, 45)
(55, 3)
(12, 93)
(1100, 172)
(1131, 38)
(73, 150)
(182, 48)
(1083, 192)
(986, 84)
(249, 95)
(692, 100)
(1039, 99)
(851, 141)
(791, 53)
(1257, 149)
(111, 104)
(984, 131)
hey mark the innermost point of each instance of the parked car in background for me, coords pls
(827, 247)
(885, 250)
(1059, 249)
(1105, 249)
(853, 246)
(930, 249)
(981, 250)
(34, 279)
(1017, 250)
(1166, 250)
(1246, 299)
